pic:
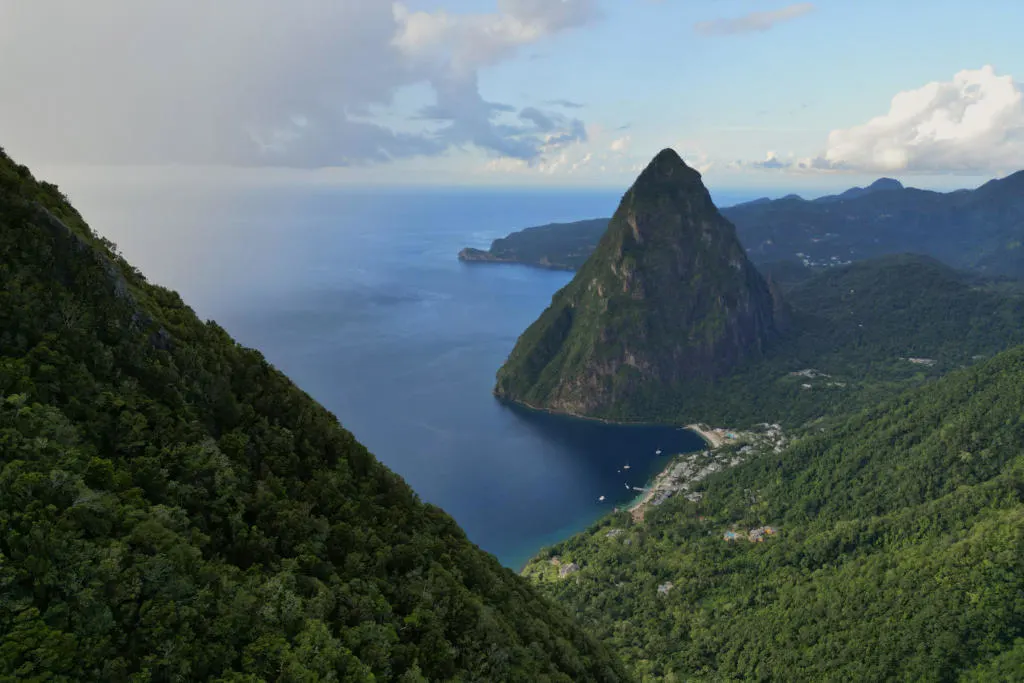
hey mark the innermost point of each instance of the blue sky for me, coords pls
(755, 93)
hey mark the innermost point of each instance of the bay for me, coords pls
(359, 298)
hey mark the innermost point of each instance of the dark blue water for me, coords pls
(361, 300)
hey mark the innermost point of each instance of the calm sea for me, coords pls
(359, 297)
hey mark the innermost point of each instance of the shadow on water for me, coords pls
(596, 459)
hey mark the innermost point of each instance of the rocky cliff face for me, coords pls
(668, 297)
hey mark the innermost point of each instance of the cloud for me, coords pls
(971, 124)
(565, 104)
(771, 161)
(258, 82)
(620, 145)
(753, 22)
(543, 122)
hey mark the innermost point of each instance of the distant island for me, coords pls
(558, 246)
(980, 230)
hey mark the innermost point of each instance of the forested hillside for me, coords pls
(865, 331)
(895, 552)
(173, 508)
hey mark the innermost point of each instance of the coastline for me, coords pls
(512, 403)
(659, 482)
(639, 506)
(497, 260)
(710, 436)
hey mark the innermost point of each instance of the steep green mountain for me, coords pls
(173, 508)
(897, 551)
(980, 230)
(866, 331)
(667, 297)
(562, 246)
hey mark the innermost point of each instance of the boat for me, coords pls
(601, 499)
(625, 467)
(657, 452)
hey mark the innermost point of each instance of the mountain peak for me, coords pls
(668, 297)
(885, 184)
(667, 167)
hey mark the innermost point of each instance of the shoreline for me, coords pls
(711, 436)
(497, 260)
(636, 507)
(639, 507)
(576, 416)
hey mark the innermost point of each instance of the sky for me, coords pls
(581, 93)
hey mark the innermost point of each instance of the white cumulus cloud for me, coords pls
(972, 123)
(620, 144)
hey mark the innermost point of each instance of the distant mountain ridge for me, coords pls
(980, 230)
(880, 185)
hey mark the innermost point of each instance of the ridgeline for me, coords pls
(174, 508)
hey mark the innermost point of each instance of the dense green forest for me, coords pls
(898, 551)
(173, 508)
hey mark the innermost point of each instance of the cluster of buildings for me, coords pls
(754, 535)
(831, 262)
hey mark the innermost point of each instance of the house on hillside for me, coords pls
(757, 535)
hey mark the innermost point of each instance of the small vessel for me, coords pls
(625, 467)
(601, 499)
(657, 452)
(627, 487)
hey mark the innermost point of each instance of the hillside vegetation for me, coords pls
(173, 508)
(867, 331)
(897, 553)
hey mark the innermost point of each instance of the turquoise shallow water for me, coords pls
(360, 299)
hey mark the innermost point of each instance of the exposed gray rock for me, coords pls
(568, 569)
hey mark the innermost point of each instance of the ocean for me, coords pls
(359, 298)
